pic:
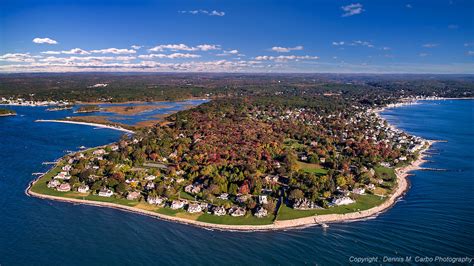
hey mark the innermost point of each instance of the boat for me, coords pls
(323, 225)
(82, 147)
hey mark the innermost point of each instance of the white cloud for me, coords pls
(72, 51)
(136, 47)
(44, 40)
(230, 52)
(17, 57)
(423, 54)
(203, 12)
(184, 47)
(352, 9)
(354, 43)
(170, 56)
(207, 47)
(279, 49)
(113, 51)
(284, 58)
(430, 45)
(470, 53)
(385, 48)
(408, 6)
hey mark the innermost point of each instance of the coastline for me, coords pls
(402, 186)
(88, 124)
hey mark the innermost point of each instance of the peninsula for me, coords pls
(7, 112)
(247, 164)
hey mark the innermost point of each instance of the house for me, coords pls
(66, 168)
(261, 212)
(342, 201)
(359, 191)
(99, 152)
(192, 189)
(370, 186)
(114, 147)
(262, 199)
(219, 211)
(237, 211)
(194, 208)
(177, 204)
(224, 196)
(150, 185)
(242, 198)
(133, 195)
(156, 200)
(104, 192)
(64, 187)
(53, 183)
(63, 176)
(130, 181)
(150, 178)
(304, 158)
(83, 189)
(305, 204)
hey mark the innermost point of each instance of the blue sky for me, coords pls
(238, 36)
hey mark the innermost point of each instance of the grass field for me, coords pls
(312, 168)
(248, 219)
(363, 202)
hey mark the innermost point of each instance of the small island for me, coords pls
(88, 109)
(7, 112)
(259, 163)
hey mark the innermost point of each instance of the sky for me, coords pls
(326, 36)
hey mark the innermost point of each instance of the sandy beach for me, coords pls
(88, 124)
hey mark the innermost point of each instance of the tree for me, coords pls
(296, 194)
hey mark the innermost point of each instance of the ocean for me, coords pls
(435, 218)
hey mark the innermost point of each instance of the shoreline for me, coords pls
(87, 124)
(402, 174)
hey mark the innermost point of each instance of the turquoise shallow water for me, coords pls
(435, 218)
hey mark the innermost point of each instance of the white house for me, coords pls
(156, 200)
(261, 212)
(342, 201)
(263, 199)
(150, 178)
(83, 189)
(53, 183)
(63, 176)
(237, 211)
(104, 192)
(194, 208)
(150, 185)
(359, 191)
(224, 196)
(133, 195)
(66, 168)
(99, 152)
(64, 187)
(219, 211)
(177, 204)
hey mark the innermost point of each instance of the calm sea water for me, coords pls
(435, 218)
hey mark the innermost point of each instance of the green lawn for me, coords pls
(363, 202)
(312, 168)
(385, 173)
(248, 219)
